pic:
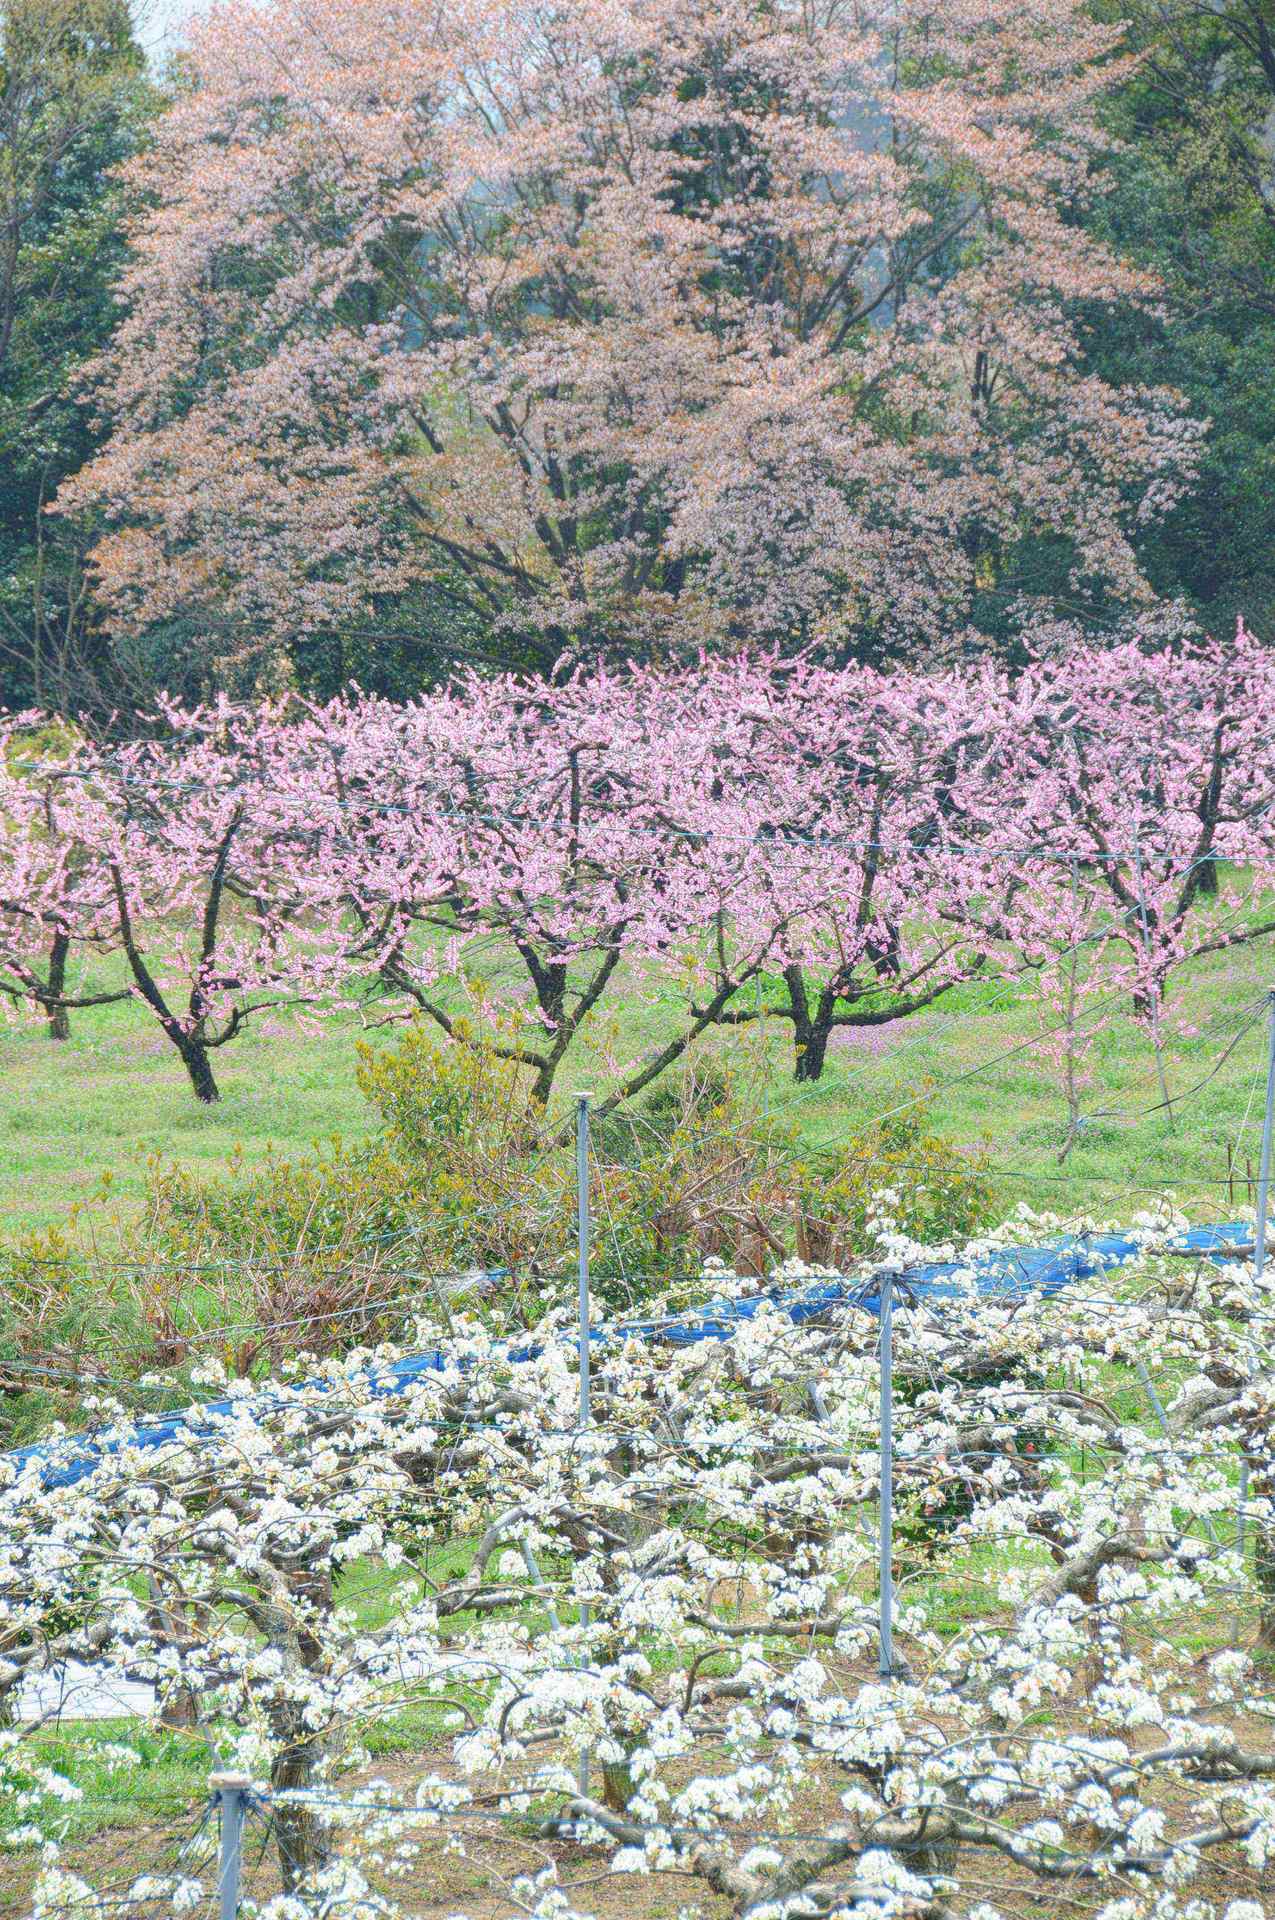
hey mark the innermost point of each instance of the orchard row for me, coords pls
(781, 840)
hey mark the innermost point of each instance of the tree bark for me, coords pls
(302, 1841)
(812, 1049)
(198, 1065)
(811, 1027)
(59, 1018)
(189, 1044)
(542, 1085)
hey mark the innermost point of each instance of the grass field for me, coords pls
(114, 1096)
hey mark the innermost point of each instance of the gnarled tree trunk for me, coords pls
(59, 1018)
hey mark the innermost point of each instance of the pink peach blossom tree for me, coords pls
(876, 898)
(189, 858)
(616, 818)
(1152, 772)
(55, 918)
(826, 847)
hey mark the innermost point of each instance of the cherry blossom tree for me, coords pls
(251, 857)
(739, 817)
(622, 327)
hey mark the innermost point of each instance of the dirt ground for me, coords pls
(468, 1866)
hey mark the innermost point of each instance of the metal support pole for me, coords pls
(1264, 1171)
(582, 1243)
(885, 1664)
(1157, 1407)
(532, 1565)
(582, 1246)
(232, 1791)
(1148, 1387)
(1241, 1511)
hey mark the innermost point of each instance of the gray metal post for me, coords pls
(1241, 1511)
(232, 1791)
(582, 1243)
(582, 1246)
(532, 1565)
(1157, 1407)
(1148, 1387)
(1264, 1171)
(885, 1664)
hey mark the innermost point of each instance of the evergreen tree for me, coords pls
(1194, 198)
(74, 103)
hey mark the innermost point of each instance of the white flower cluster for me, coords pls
(659, 1635)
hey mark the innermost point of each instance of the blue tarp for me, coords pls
(1015, 1273)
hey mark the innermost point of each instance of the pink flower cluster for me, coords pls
(620, 321)
(865, 838)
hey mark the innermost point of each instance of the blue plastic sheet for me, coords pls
(1014, 1273)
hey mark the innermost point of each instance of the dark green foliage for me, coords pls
(1192, 196)
(74, 102)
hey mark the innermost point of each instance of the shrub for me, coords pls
(338, 1247)
(700, 1101)
(436, 1099)
(321, 1245)
(942, 1192)
(64, 1330)
(677, 1180)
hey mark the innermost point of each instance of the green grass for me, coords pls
(163, 1778)
(114, 1096)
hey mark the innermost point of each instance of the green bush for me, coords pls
(458, 1178)
(942, 1192)
(687, 1107)
(65, 1328)
(336, 1201)
(435, 1098)
(325, 1250)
